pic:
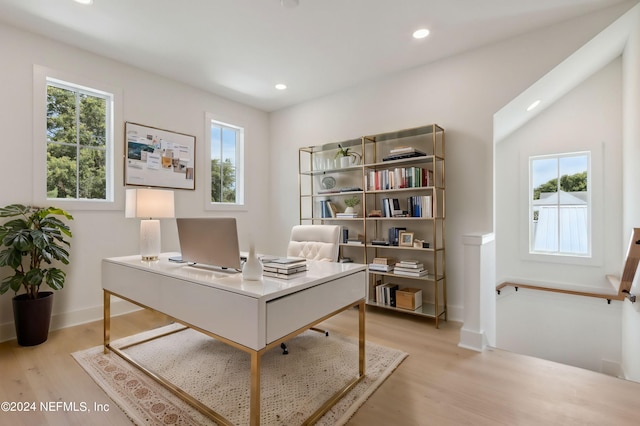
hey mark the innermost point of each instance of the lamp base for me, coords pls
(150, 239)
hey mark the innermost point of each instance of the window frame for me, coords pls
(42, 76)
(589, 196)
(241, 187)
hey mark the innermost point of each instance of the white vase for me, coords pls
(252, 269)
(349, 210)
(345, 161)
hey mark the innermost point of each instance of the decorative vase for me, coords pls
(349, 210)
(345, 161)
(32, 318)
(252, 270)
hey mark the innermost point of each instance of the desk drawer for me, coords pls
(289, 313)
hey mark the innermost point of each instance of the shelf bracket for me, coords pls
(631, 297)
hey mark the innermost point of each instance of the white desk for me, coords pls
(253, 316)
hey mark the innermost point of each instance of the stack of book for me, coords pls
(382, 264)
(410, 268)
(386, 294)
(343, 215)
(289, 267)
(403, 152)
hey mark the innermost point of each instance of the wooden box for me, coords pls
(409, 298)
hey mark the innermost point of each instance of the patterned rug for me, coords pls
(293, 386)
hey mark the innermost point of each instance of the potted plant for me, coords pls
(351, 203)
(347, 158)
(30, 244)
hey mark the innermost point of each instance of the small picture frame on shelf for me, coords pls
(405, 239)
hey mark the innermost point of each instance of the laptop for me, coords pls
(209, 242)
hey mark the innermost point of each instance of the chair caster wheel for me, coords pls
(284, 348)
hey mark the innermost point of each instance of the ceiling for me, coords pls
(240, 49)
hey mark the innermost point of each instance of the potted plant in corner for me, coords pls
(31, 243)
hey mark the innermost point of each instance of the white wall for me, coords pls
(589, 118)
(575, 330)
(146, 99)
(631, 177)
(461, 94)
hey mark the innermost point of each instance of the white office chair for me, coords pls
(314, 242)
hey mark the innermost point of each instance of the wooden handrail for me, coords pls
(621, 286)
(608, 297)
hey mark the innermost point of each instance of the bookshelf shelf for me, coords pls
(400, 172)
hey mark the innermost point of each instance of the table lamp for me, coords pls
(150, 205)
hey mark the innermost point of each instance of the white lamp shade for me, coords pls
(149, 203)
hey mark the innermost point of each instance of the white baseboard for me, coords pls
(612, 368)
(69, 319)
(473, 340)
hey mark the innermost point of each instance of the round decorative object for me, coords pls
(328, 182)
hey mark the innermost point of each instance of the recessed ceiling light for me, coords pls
(281, 86)
(421, 33)
(87, 2)
(533, 105)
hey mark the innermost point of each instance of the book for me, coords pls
(380, 268)
(351, 215)
(284, 260)
(409, 261)
(394, 233)
(355, 242)
(386, 294)
(410, 265)
(286, 271)
(384, 260)
(410, 273)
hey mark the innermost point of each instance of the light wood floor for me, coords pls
(438, 384)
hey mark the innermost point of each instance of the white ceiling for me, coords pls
(240, 49)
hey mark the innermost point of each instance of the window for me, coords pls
(79, 142)
(226, 147)
(560, 204)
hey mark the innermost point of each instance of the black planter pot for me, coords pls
(32, 318)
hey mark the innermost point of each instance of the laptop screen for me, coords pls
(209, 241)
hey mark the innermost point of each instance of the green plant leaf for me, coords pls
(13, 282)
(34, 277)
(55, 278)
(11, 257)
(14, 210)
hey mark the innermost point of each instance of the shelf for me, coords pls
(412, 189)
(403, 161)
(319, 162)
(428, 277)
(426, 310)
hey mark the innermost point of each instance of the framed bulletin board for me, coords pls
(157, 157)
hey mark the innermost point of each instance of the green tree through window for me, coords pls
(77, 142)
(226, 163)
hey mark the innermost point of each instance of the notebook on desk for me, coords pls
(209, 242)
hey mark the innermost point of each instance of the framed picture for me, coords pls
(405, 239)
(157, 157)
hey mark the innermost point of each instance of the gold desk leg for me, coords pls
(106, 320)
(254, 403)
(361, 338)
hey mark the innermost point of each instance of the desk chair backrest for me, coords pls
(315, 242)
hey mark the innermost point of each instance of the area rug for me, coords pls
(293, 386)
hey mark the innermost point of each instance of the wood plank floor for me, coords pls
(438, 384)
